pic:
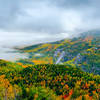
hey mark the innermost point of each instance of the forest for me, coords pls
(46, 82)
(68, 69)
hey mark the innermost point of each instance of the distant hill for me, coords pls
(82, 51)
(94, 33)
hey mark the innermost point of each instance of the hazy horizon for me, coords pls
(34, 21)
(31, 22)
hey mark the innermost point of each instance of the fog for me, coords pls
(27, 22)
(11, 54)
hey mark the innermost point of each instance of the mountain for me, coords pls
(82, 51)
(68, 69)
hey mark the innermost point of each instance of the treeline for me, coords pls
(46, 82)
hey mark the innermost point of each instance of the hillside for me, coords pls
(63, 70)
(46, 82)
(82, 51)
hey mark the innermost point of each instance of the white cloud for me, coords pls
(33, 21)
(12, 39)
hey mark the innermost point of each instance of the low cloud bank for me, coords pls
(34, 21)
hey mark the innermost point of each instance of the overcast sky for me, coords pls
(33, 21)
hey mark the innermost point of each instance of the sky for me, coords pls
(25, 22)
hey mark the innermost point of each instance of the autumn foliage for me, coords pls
(54, 82)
